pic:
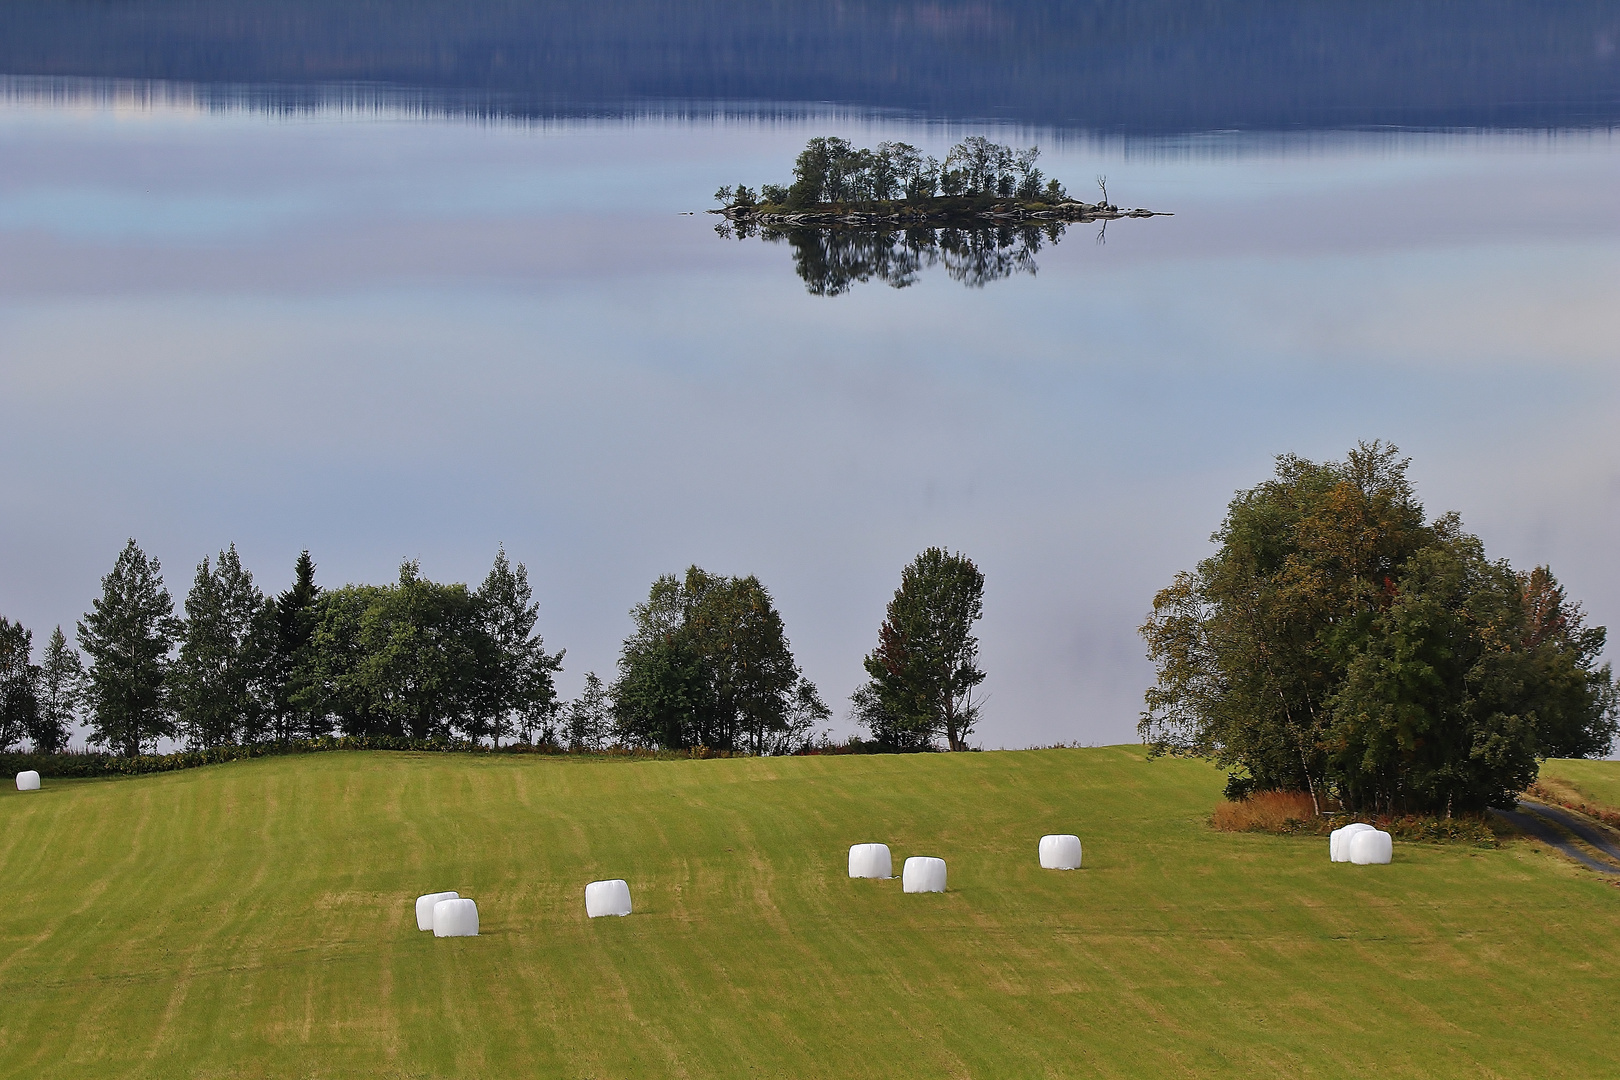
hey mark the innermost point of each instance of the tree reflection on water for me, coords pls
(831, 261)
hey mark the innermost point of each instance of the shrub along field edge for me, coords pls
(89, 764)
(1286, 813)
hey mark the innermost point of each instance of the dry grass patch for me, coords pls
(1290, 812)
(1268, 811)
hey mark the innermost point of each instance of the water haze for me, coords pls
(382, 320)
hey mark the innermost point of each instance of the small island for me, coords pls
(980, 183)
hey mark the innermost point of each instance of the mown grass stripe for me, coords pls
(254, 919)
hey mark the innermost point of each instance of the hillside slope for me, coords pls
(256, 920)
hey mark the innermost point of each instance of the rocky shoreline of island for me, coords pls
(937, 212)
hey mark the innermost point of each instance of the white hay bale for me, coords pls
(1370, 846)
(922, 874)
(424, 907)
(455, 918)
(1060, 851)
(28, 780)
(1339, 841)
(870, 861)
(607, 898)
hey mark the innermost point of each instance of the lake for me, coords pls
(414, 287)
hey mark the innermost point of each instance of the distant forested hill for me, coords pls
(1141, 66)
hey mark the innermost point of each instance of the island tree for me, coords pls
(833, 171)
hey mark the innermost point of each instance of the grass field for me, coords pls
(1598, 781)
(256, 919)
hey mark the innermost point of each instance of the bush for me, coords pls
(90, 764)
(87, 764)
(1290, 812)
(857, 745)
(1267, 811)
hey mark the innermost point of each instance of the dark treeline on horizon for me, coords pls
(1132, 66)
(707, 665)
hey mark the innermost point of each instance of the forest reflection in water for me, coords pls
(831, 261)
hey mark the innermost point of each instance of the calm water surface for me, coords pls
(380, 334)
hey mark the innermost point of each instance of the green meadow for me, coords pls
(1598, 781)
(256, 919)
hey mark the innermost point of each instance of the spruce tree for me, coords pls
(128, 635)
(515, 687)
(19, 703)
(218, 679)
(294, 687)
(61, 687)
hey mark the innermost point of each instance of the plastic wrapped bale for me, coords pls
(28, 780)
(1060, 851)
(922, 874)
(424, 907)
(1370, 847)
(455, 918)
(1339, 841)
(870, 861)
(607, 898)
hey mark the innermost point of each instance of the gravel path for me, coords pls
(1578, 824)
(1536, 820)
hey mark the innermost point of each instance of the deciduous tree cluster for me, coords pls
(1338, 643)
(831, 170)
(708, 664)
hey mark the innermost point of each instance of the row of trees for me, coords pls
(37, 702)
(1338, 643)
(415, 658)
(707, 664)
(834, 170)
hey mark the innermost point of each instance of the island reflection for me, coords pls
(831, 261)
